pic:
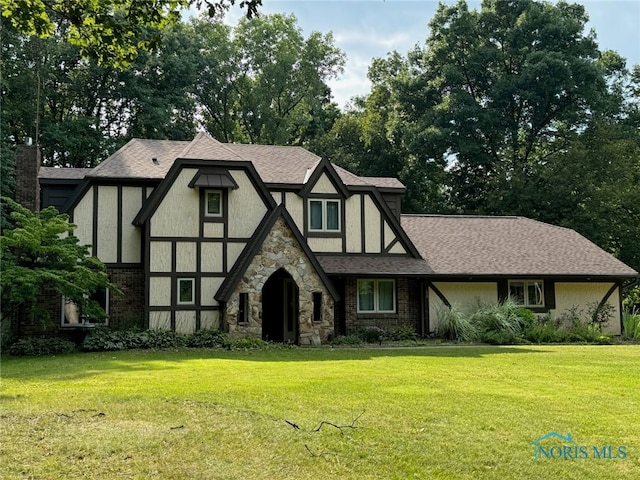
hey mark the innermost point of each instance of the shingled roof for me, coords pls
(54, 173)
(275, 164)
(479, 245)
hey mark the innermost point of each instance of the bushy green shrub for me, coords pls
(247, 344)
(36, 346)
(208, 339)
(371, 334)
(404, 333)
(544, 330)
(631, 325)
(159, 339)
(101, 339)
(454, 324)
(506, 319)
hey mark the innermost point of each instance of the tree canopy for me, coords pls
(111, 31)
(204, 74)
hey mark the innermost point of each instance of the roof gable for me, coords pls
(155, 199)
(253, 247)
(323, 167)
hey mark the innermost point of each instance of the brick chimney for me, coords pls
(27, 166)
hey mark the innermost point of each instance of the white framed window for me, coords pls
(376, 296)
(72, 314)
(213, 203)
(186, 291)
(324, 215)
(528, 293)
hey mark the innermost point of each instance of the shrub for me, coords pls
(208, 339)
(101, 339)
(404, 333)
(247, 344)
(506, 319)
(454, 324)
(347, 340)
(371, 334)
(631, 325)
(158, 339)
(544, 330)
(600, 314)
(35, 346)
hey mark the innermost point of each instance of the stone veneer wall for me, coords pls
(408, 307)
(280, 249)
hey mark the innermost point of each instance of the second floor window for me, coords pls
(324, 215)
(213, 203)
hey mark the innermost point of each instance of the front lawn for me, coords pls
(426, 413)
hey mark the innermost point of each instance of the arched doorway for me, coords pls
(280, 308)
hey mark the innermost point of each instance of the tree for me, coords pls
(38, 251)
(499, 91)
(111, 31)
(262, 81)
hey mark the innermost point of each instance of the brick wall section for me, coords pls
(28, 161)
(407, 312)
(127, 310)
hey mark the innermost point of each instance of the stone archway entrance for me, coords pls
(280, 312)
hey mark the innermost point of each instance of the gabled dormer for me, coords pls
(324, 195)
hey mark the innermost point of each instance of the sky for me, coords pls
(367, 29)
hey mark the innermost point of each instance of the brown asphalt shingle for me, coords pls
(274, 164)
(53, 173)
(373, 265)
(477, 245)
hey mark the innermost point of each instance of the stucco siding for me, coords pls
(213, 230)
(582, 296)
(372, 225)
(159, 291)
(325, 245)
(131, 235)
(107, 241)
(463, 295)
(233, 253)
(295, 207)
(160, 256)
(398, 248)
(185, 257)
(353, 223)
(324, 185)
(178, 215)
(209, 320)
(211, 257)
(83, 218)
(245, 204)
(160, 320)
(185, 321)
(209, 286)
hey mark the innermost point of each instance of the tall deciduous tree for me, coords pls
(263, 81)
(506, 87)
(111, 31)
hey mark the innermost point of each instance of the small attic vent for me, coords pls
(155, 161)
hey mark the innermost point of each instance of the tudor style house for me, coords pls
(275, 242)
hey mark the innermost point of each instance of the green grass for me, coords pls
(434, 412)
